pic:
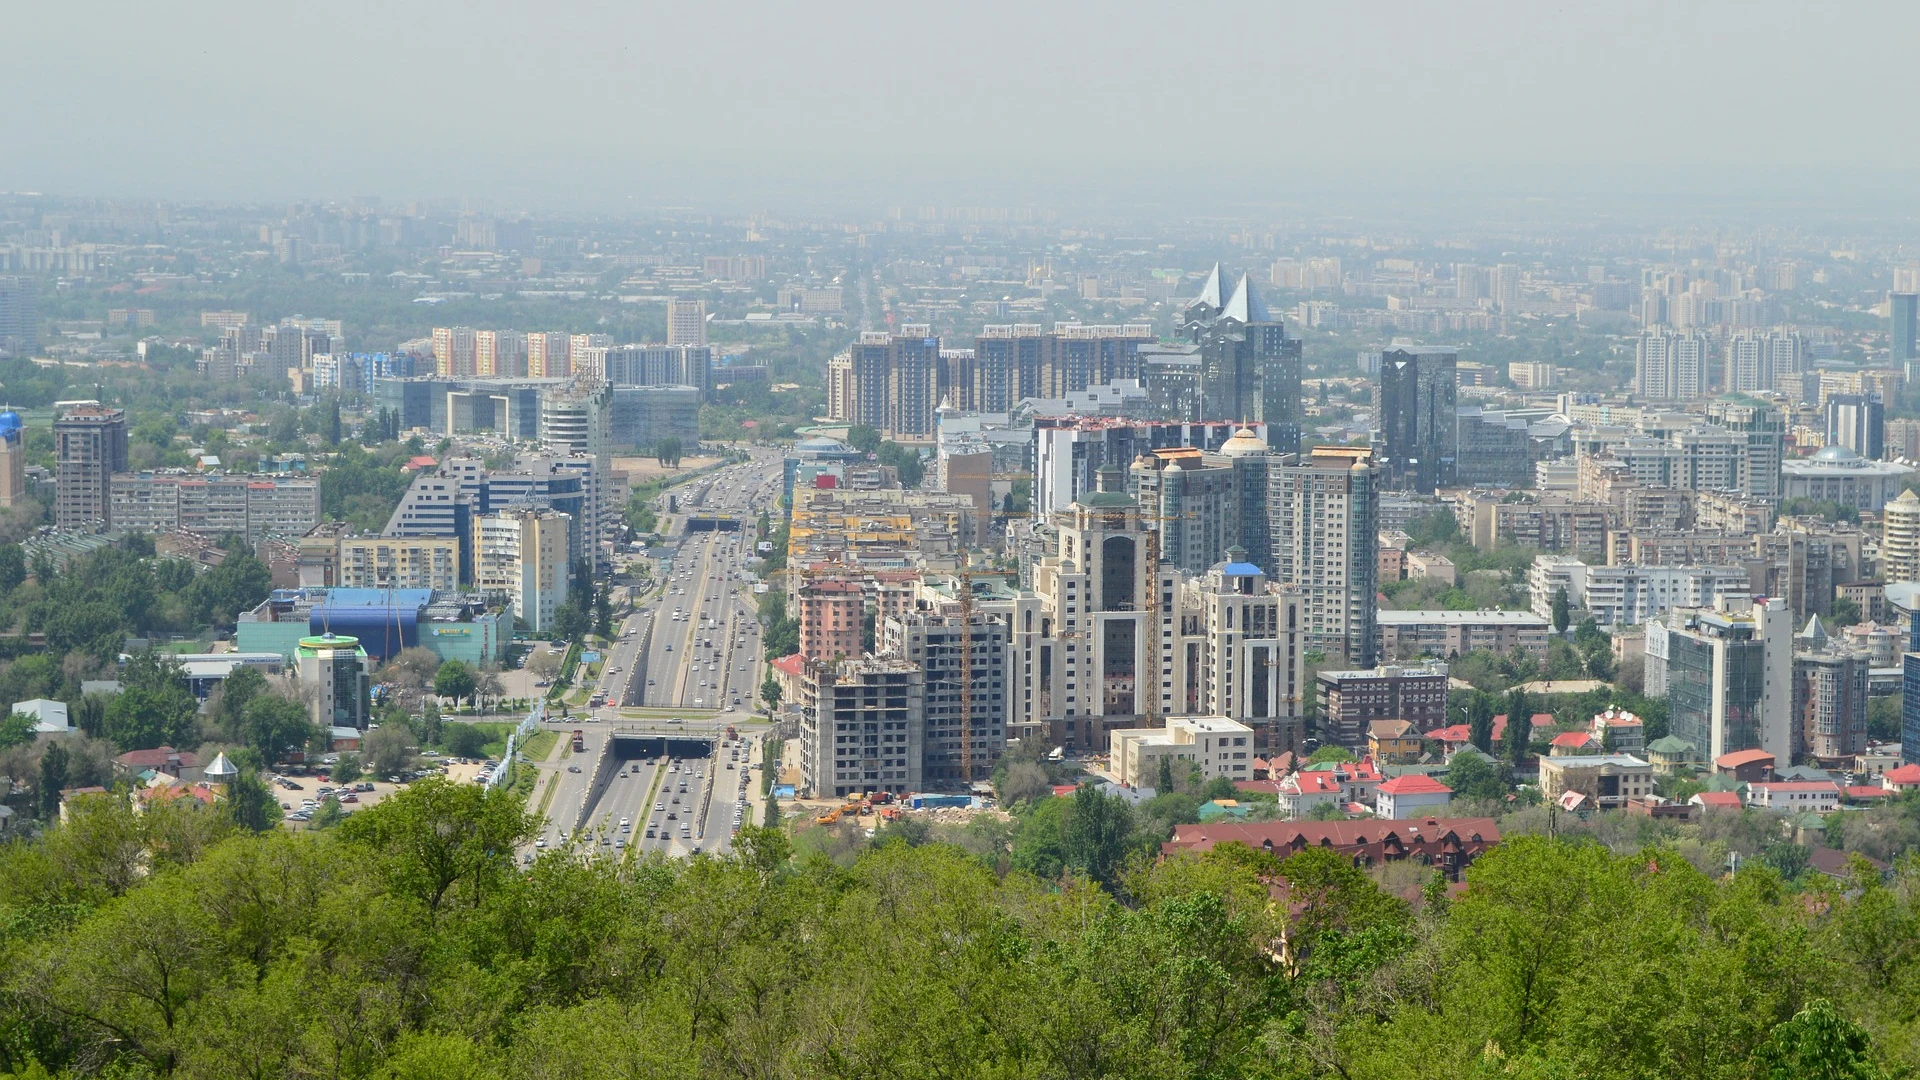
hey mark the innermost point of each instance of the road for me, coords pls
(706, 662)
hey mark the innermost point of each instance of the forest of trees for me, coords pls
(405, 943)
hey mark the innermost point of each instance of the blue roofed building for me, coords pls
(455, 626)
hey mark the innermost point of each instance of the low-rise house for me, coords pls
(1608, 780)
(1794, 796)
(1628, 732)
(49, 717)
(1746, 766)
(1904, 778)
(1302, 793)
(1717, 800)
(1569, 743)
(1393, 742)
(1670, 753)
(1411, 796)
(181, 764)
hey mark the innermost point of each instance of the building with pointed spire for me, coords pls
(1829, 698)
(1249, 367)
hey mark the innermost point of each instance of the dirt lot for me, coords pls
(642, 469)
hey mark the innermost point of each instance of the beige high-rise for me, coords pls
(1900, 543)
(686, 321)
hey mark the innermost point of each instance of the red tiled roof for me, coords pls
(1414, 784)
(1741, 757)
(1867, 791)
(1728, 799)
(1905, 774)
(1797, 785)
(1572, 738)
(792, 665)
(1331, 833)
(157, 758)
(1310, 783)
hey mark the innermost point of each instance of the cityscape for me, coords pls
(657, 608)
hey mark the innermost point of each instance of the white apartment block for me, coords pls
(1619, 596)
(214, 505)
(1218, 745)
(520, 559)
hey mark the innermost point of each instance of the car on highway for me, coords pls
(659, 806)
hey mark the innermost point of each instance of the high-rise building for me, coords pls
(656, 365)
(1093, 641)
(1249, 368)
(861, 726)
(249, 505)
(13, 460)
(1414, 406)
(1013, 362)
(1859, 423)
(453, 351)
(896, 382)
(499, 353)
(520, 558)
(832, 614)
(19, 322)
(1672, 366)
(955, 724)
(547, 356)
(90, 445)
(1900, 538)
(1503, 285)
(1904, 307)
(339, 672)
(1763, 428)
(400, 562)
(686, 321)
(1348, 701)
(1829, 699)
(1324, 509)
(1727, 674)
(1247, 660)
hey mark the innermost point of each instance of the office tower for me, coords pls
(896, 382)
(956, 727)
(13, 460)
(1414, 405)
(1324, 510)
(1829, 699)
(832, 613)
(90, 445)
(1249, 368)
(547, 356)
(520, 558)
(861, 726)
(1859, 423)
(1728, 677)
(19, 322)
(1904, 307)
(1672, 366)
(686, 321)
(453, 351)
(339, 673)
(1248, 661)
(1900, 538)
(1249, 457)
(1763, 430)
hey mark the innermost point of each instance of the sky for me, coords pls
(575, 104)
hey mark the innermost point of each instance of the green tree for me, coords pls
(347, 769)
(1562, 611)
(864, 438)
(53, 777)
(466, 740)
(326, 815)
(1480, 721)
(430, 723)
(229, 707)
(388, 749)
(454, 680)
(770, 692)
(13, 567)
(1844, 612)
(1818, 1044)
(442, 842)
(276, 725)
(1164, 786)
(1330, 755)
(250, 803)
(16, 729)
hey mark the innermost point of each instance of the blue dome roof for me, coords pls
(1241, 569)
(9, 421)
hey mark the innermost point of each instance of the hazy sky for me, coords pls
(560, 102)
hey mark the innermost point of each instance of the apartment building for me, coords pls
(520, 560)
(214, 504)
(861, 727)
(402, 562)
(1217, 745)
(1324, 519)
(1349, 701)
(89, 446)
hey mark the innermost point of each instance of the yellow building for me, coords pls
(411, 562)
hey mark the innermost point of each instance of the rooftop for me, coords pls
(1426, 616)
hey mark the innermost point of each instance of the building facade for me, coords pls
(89, 446)
(1414, 407)
(1323, 517)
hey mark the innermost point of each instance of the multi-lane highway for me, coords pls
(688, 657)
